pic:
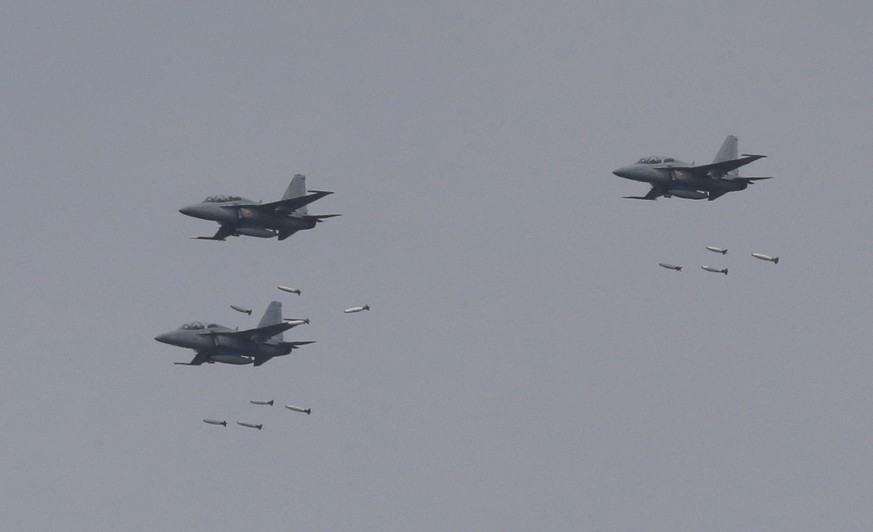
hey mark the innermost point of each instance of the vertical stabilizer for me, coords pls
(272, 316)
(728, 152)
(296, 189)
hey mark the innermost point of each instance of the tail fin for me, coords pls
(296, 189)
(728, 152)
(272, 316)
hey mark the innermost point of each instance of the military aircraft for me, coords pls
(671, 177)
(239, 216)
(216, 343)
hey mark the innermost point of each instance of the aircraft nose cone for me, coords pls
(163, 338)
(188, 211)
(619, 172)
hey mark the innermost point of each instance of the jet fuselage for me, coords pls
(679, 183)
(672, 177)
(220, 347)
(247, 221)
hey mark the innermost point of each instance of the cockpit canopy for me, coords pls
(196, 326)
(221, 199)
(655, 160)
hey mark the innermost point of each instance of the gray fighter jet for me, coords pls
(239, 216)
(215, 343)
(671, 177)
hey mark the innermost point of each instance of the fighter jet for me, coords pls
(239, 216)
(672, 177)
(216, 343)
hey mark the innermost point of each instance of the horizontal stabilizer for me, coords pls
(320, 217)
(295, 345)
(638, 197)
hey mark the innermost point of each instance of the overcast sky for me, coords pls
(526, 365)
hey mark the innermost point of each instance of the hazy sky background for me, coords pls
(526, 364)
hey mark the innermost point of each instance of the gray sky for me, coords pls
(526, 364)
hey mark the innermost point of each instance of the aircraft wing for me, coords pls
(655, 193)
(720, 168)
(223, 232)
(257, 335)
(290, 204)
(198, 359)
